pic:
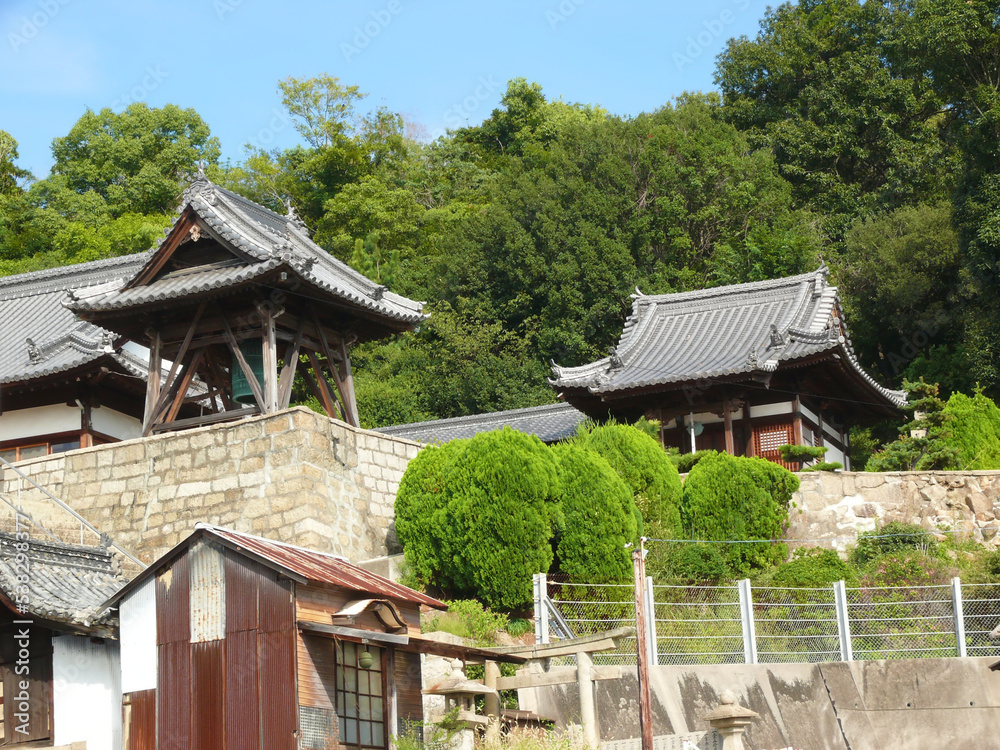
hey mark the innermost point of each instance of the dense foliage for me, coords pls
(731, 498)
(647, 471)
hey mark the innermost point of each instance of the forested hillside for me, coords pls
(862, 135)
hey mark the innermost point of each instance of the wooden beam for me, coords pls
(728, 419)
(220, 379)
(206, 419)
(270, 357)
(171, 381)
(185, 383)
(606, 640)
(287, 378)
(152, 382)
(352, 404)
(234, 347)
(343, 389)
(326, 398)
(556, 676)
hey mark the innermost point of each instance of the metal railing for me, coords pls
(736, 623)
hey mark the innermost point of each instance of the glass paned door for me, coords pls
(361, 696)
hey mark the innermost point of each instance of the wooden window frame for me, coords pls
(341, 662)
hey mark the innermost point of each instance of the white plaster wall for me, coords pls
(115, 424)
(86, 694)
(138, 638)
(833, 453)
(771, 410)
(38, 420)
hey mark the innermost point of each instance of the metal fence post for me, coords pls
(843, 622)
(654, 648)
(746, 616)
(539, 606)
(956, 598)
(543, 619)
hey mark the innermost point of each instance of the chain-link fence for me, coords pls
(735, 623)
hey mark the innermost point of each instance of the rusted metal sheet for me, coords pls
(277, 609)
(138, 638)
(242, 719)
(278, 704)
(139, 720)
(173, 696)
(208, 705)
(243, 579)
(208, 592)
(173, 601)
(322, 567)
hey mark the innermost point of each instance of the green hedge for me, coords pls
(598, 516)
(975, 431)
(647, 470)
(731, 498)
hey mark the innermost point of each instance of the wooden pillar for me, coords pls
(492, 708)
(270, 360)
(152, 381)
(86, 425)
(797, 422)
(748, 431)
(727, 415)
(350, 402)
(588, 713)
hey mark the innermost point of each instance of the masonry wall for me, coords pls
(295, 476)
(838, 505)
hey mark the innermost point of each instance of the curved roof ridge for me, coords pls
(33, 283)
(731, 289)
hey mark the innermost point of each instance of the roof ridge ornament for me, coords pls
(753, 360)
(34, 353)
(615, 362)
(294, 219)
(777, 340)
(197, 184)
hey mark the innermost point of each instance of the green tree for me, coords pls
(925, 442)
(12, 177)
(737, 499)
(322, 107)
(599, 518)
(136, 160)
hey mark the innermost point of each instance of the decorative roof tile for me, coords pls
(66, 583)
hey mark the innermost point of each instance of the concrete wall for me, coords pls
(295, 476)
(838, 505)
(917, 704)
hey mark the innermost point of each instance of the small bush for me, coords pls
(800, 453)
(598, 518)
(468, 619)
(810, 568)
(825, 466)
(735, 498)
(647, 471)
(893, 537)
(687, 461)
(695, 562)
(907, 567)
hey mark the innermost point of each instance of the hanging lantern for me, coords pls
(253, 353)
(365, 659)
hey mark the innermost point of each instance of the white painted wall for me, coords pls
(115, 424)
(86, 692)
(39, 420)
(137, 616)
(771, 410)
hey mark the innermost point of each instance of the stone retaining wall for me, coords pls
(296, 476)
(837, 505)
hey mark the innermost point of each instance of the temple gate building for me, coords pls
(743, 369)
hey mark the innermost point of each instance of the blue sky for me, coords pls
(442, 63)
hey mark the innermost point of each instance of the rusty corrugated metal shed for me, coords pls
(294, 562)
(207, 697)
(141, 720)
(320, 567)
(242, 691)
(173, 697)
(173, 603)
(278, 696)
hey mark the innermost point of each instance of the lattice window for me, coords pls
(772, 440)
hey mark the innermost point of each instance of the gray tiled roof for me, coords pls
(263, 240)
(31, 307)
(67, 583)
(550, 423)
(670, 339)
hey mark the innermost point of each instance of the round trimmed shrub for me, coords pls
(975, 431)
(739, 499)
(647, 471)
(502, 508)
(598, 517)
(421, 511)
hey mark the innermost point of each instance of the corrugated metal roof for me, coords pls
(551, 423)
(266, 240)
(726, 331)
(290, 560)
(320, 567)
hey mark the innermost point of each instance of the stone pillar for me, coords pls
(730, 720)
(492, 702)
(588, 713)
